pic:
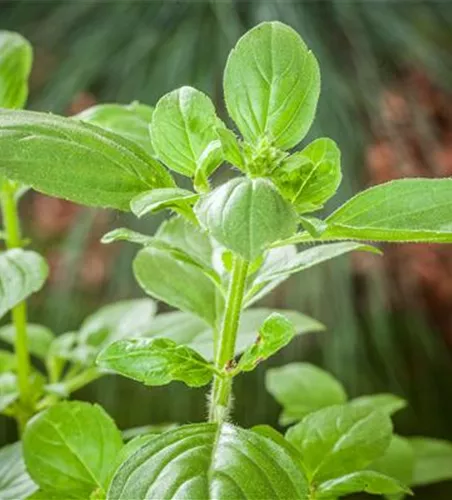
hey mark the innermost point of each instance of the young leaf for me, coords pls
(309, 258)
(60, 350)
(9, 390)
(397, 461)
(69, 448)
(74, 160)
(128, 120)
(389, 403)
(361, 481)
(275, 333)
(178, 283)
(156, 362)
(339, 440)
(271, 85)
(310, 177)
(432, 460)
(208, 162)
(180, 200)
(231, 147)
(183, 125)
(246, 216)
(39, 338)
(16, 57)
(199, 461)
(402, 210)
(22, 272)
(15, 483)
(302, 388)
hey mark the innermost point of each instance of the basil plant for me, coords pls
(225, 246)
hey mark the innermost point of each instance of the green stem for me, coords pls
(19, 313)
(221, 391)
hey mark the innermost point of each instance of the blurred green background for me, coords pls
(387, 101)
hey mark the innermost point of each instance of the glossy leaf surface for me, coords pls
(201, 461)
(339, 440)
(302, 388)
(156, 362)
(70, 447)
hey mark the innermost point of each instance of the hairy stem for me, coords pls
(19, 313)
(221, 391)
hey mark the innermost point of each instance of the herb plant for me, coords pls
(223, 249)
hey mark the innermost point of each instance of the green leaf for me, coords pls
(189, 330)
(177, 199)
(22, 272)
(70, 447)
(402, 210)
(274, 258)
(183, 125)
(15, 483)
(125, 453)
(231, 147)
(9, 390)
(116, 321)
(7, 361)
(203, 461)
(275, 333)
(77, 161)
(302, 388)
(156, 362)
(60, 350)
(128, 120)
(147, 430)
(179, 284)
(339, 440)
(397, 461)
(128, 318)
(39, 338)
(278, 438)
(362, 481)
(389, 403)
(16, 57)
(208, 162)
(272, 85)
(179, 233)
(315, 227)
(310, 177)
(432, 460)
(309, 258)
(124, 234)
(246, 216)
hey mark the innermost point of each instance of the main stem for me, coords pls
(19, 312)
(221, 391)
